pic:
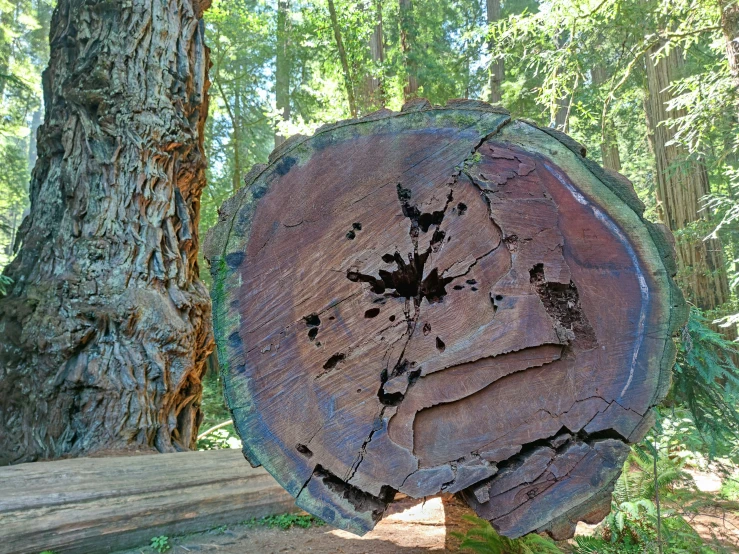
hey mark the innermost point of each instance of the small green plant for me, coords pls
(161, 543)
(483, 539)
(5, 282)
(286, 521)
(730, 488)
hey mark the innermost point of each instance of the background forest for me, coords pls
(650, 87)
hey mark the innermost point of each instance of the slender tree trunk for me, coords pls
(374, 85)
(342, 56)
(680, 186)
(32, 149)
(407, 47)
(236, 137)
(282, 65)
(730, 28)
(107, 326)
(497, 68)
(7, 20)
(609, 143)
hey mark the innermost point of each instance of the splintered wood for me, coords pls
(442, 300)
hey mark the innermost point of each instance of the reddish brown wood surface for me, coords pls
(442, 300)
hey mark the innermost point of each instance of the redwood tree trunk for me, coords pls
(107, 327)
(497, 67)
(374, 92)
(406, 44)
(680, 186)
(282, 65)
(730, 28)
(348, 82)
(609, 145)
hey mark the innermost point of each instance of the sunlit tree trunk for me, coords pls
(681, 183)
(342, 57)
(406, 44)
(375, 94)
(497, 68)
(106, 328)
(609, 144)
(236, 137)
(32, 152)
(7, 19)
(282, 65)
(730, 28)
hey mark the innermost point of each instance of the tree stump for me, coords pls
(442, 300)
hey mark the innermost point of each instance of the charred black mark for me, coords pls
(562, 303)
(407, 280)
(426, 328)
(372, 312)
(458, 287)
(392, 318)
(357, 226)
(334, 360)
(235, 259)
(234, 340)
(440, 346)
(313, 322)
(351, 235)
(461, 208)
(360, 500)
(284, 165)
(304, 450)
(401, 368)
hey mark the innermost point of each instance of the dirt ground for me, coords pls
(411, 527)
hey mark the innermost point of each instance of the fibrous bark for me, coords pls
(609, 142)
(442, 300)
(681, 185)
(107, 326)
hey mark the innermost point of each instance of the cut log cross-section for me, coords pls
(442, 300)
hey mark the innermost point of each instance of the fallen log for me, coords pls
(88, 505)
(442, 300)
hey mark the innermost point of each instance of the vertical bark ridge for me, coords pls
(107, 326)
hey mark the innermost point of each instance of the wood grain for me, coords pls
(442, 299)
(107, 504)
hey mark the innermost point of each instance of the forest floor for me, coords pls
(410, 527)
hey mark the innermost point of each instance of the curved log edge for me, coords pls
(442, 300)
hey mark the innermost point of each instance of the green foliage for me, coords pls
(730, 488)
(160, 544)
(286, 521)
(215, 411)
(483, 539)
(706, 380)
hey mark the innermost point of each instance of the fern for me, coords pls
(483, 539)
(706, 380)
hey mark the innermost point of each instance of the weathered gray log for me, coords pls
(105, 504)
(442, 300)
